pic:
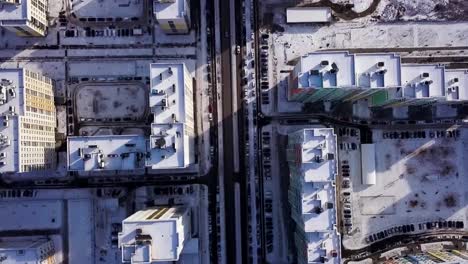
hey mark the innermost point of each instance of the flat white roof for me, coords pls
(18, 215)
(9, 247)
(163, 226)
(308, 14)
(315, 213)
(324, 245)
(10, 132)
(119, 152)
(167, 146)
(327, 70)
(368, 164)
(456, 83)
(13, 11)
(378, 70)
(167, 97)
(417, 85)
(169, 9)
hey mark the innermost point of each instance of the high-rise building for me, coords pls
(155, 234)
(27, 133)
(380, 78)
(27, 18)
(173, 129)
(311, 155)
(172, 139)
(106, 153)
(173, 16)
(27, 250)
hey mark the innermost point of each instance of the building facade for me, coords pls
(155, 234)
(311, 155)
(27, 136)
(27, 18)
(173, 16)
(379, 78)
(26, 250)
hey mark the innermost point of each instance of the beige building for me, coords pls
(173, 16)
(27, 131)
(27, 18)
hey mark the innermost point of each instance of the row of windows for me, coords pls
(36, 127)
(35, 167)
(38, 94)
(37, 144)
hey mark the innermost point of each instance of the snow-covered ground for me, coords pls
(418, 180)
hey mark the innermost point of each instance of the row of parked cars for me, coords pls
(264, 68)
(268, 204)
(421, 134)
(404, 229)
(266, 154)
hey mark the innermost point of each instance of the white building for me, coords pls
(339, 76)
(115, 153)
(27, 18)
(312, 195)
(24, 250)
(173, 16)
(172, 139)
(27, 129)
(155, 234)
(308, 15)
(171, 102)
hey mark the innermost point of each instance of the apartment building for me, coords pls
(173, 16)
(31, 250)
(27, 18)
(380, 78)
(155, 234)
(173, 130)
(171, 142)
(27, 133)
(311, 155)
(106, 153)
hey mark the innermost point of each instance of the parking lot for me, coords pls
(110, 101)
(419, 184)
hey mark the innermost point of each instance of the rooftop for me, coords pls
(119, 152)
(421, 81)
(456, 82)
(308, 14)
(318, 207)
(378, 70)
(167, 100)
(17, 215)
(154, 234)
(323, 245)
(10, 79)
(169, 9)
(327, 70)
(166, 146)
(14, 11)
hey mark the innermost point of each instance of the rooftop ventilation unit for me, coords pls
(454, 80)
(324, 63)
(428, 82)
(425, 75)
(382, 72)
(380, 64)
(314, 72)
(170, 70)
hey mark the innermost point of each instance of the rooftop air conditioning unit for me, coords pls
(454, 80)
(380, 64)
(425, 75)
(324, 63)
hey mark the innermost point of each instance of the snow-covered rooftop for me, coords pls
(17, 215)
(118, 152)
(155, 234)
(167, 146)
(11, 12)
(9, 129)
(308, 14)
(378, 70)
(422, 81)
(169, 9)
(327, 69)
(167, 97)
(323, 245)
(456, 82)
(28, 246)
